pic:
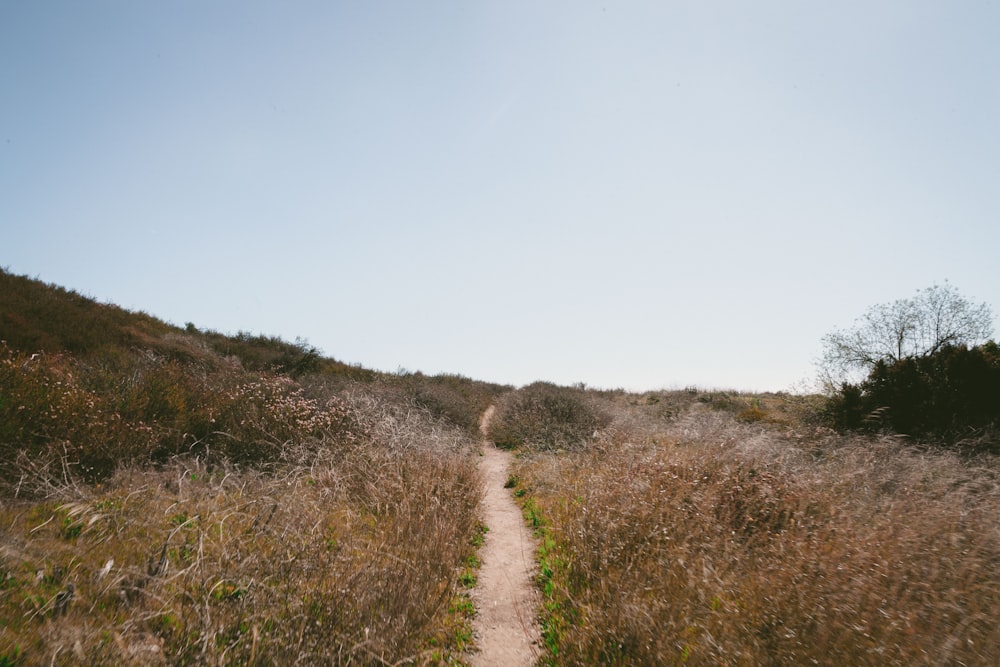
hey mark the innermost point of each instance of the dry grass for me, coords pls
(341, 552)
(685, 536)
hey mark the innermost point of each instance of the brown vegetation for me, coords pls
(338, 552)
(177, 496)
(692, 535)
(545, 416)
(181, 497)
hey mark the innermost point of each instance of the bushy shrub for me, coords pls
(44, 407)
(459, 400)
(544, 416)
(267, 353)
(943, 395)
(143, 407)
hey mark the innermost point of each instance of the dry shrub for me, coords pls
(136, 407)
(710, 542)
(544, 416)
(455, 399)
(46, 409)
(403, 426)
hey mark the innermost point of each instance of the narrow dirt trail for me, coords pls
(506, 628)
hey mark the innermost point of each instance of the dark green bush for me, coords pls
(944, 395)
(267, 353)
(545, 416)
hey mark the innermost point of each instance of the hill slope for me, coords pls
(181, 496)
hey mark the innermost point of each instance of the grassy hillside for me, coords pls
(38, 317)
(177, 496)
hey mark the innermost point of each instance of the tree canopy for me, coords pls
(920, 326)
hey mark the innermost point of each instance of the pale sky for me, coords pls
(641, 195)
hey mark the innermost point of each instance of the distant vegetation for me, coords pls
(951, 396)
(545, 416)
(38, 317)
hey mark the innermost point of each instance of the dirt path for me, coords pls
(507, 602)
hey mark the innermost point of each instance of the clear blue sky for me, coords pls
(639, 195)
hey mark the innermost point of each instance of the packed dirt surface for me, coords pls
(506, 626)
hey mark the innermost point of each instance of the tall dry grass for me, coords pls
(340, 551)
(686, 536)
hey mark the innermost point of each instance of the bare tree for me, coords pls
(935, 318)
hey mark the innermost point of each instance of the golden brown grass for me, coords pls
(341, 552)
(687, 536)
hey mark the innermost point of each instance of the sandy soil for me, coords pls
(506, 626)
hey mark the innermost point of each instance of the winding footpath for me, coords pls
(506, 626)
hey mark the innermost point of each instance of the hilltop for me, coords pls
(40, 317)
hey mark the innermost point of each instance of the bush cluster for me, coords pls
(944, 395)
(545, 416)
(140, 407)
(458, 400)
